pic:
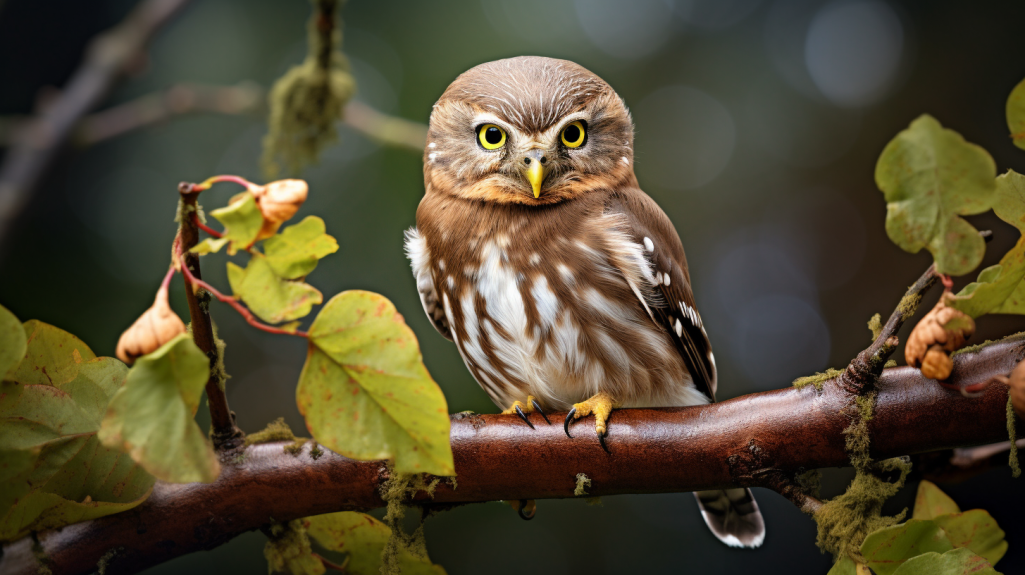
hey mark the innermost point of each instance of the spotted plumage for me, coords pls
(559, 280)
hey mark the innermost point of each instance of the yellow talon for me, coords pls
(601, 405)
(522, 409)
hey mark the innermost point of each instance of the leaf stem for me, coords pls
(205, 185)
(205, 228)
(224, 433)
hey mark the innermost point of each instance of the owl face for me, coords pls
(528, 130)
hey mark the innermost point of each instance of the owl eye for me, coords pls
(491, 136)
(574, 134)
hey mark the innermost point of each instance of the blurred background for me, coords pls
(758, 125)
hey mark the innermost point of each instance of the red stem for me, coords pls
(248, 315)
(210, 181)
(204, 227)
(164, 285)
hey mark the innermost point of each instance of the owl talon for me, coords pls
(537, 408)
(523, 416)
(601, 440)
(569, 418)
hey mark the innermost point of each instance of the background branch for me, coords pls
(748, 441)
(36, 144)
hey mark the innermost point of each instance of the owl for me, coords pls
(562, 284)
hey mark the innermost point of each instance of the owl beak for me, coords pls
(534, 170)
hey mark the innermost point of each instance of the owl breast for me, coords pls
(557, 313)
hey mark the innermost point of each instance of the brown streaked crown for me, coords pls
(532, 99)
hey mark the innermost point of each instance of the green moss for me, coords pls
(890, 363)
(218, 371)
(810, 482)
(288, 550)
(315, 450)
(875, 325)
(395, 491)
(1012, 457)
(844, 521)
(278, 430)
(818, 379)
(307, 102)
(908, 304)
(583, 482)
(105, 559)
(972, 348)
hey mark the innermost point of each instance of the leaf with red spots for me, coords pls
(931, 502)
(364, 538)
(931, 177)
(955, 562)
(887, 549)
(365, 392)
(268, 295)
(53, 469)
(13, 343)
(977, 530)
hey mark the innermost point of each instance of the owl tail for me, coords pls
(733, 516)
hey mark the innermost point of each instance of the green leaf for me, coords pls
(886, 549)
(242, 221)
(51, 355)
(52, 466)
(294, 252)
(956, 562)
(931, 502)
(209, 246)
(997, 283)
(13, 343)
(930, 177)
(365, 392)
(977, 530)
(1016, 114)
(845, 566)
(152, 416)
(364, 539)
(271, 298)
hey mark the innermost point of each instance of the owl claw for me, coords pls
(537, 408)
(601, 440)
(569, 418)
(523, 416)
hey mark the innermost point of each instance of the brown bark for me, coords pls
(750, 441)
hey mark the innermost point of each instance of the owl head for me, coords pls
(528, 130)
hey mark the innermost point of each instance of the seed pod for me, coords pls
(155, 327)
(278, 202)
(1017, 391)
(943, 330)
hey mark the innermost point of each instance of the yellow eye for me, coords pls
(573, 135)
(491, 136)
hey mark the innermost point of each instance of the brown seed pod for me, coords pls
(278, 202)
(943, 330)
(1017, 391)
(155, 327)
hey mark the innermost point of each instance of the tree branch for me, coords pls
(109, 56)
(223, 431)
(747, 441)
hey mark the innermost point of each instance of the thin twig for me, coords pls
(206, 228)
(108, 57)
(224, 433)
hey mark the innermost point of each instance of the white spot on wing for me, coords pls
(648, 245)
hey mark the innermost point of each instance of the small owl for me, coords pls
(562, 284)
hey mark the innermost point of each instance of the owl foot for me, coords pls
(601, 405)
(522, 409)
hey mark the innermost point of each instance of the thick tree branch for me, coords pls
(748, 441)
(109, 56)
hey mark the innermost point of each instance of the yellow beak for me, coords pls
(535, 175)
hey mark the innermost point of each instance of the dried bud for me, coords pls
(943, 330)
(278, 202)
(1017, 391)
(157, 326)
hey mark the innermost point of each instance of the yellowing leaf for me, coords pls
(886, 549)
(209, 246)
(977, 530)
(53, 469)
(151, 417)
(268, 296)
(955, 562)
(1016, 114)
(365, 392)
(845, 566)
(364, 539)
(294, 252)
(52, 357)
(997, 283)
(931, 502)
(242, 221)
(13, 343)
(930, 177)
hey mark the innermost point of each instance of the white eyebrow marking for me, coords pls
(431, 145)
(432, 155)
